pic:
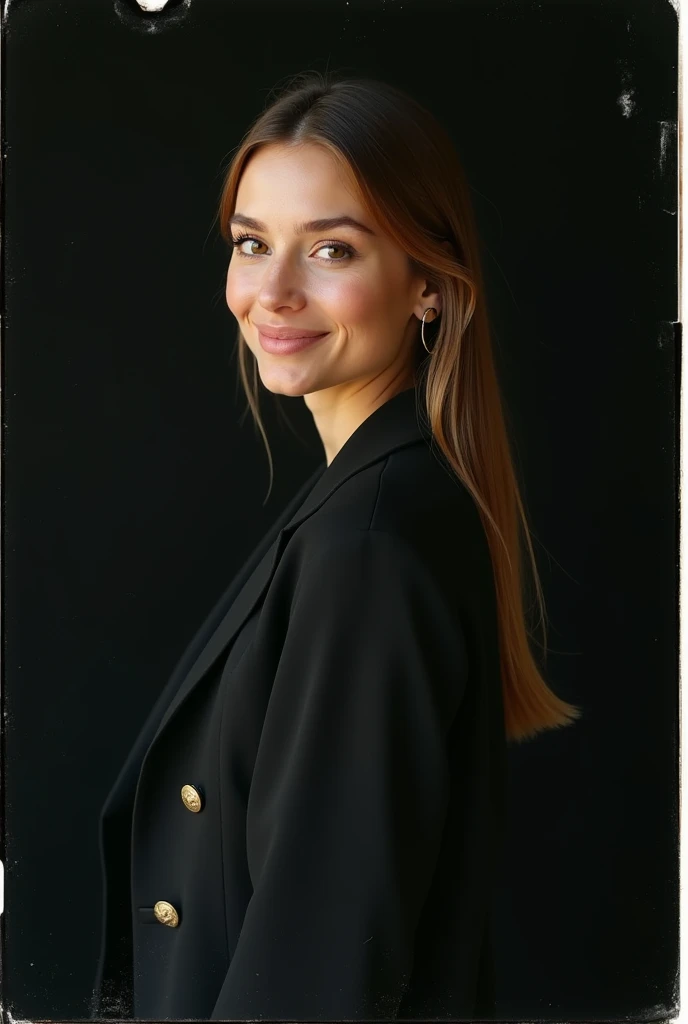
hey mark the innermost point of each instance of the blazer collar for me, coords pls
(398, 422)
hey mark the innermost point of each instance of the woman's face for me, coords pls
(354, 285)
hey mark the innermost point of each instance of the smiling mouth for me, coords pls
(285, 346)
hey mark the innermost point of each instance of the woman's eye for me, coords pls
(240, 241)
(335, 247)
(346, 250)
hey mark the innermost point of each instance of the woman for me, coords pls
(309, 823)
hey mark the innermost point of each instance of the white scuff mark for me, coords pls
(162, 17)
(11, 1019)
(667, 334)
(667, 129)
(626, 103)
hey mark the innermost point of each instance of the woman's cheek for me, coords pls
(352, 300)
(237, 293)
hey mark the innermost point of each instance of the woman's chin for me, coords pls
(294, 385)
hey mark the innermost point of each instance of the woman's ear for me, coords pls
(430, 299)
(436, 302)
(431, 295)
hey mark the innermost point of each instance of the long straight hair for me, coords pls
(412, 183)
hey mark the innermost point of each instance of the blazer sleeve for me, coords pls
(350, 789)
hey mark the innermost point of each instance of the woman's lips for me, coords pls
(285, 346)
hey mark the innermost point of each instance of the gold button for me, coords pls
(166, 914)
(192, 799)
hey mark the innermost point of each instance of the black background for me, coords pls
(124, 436)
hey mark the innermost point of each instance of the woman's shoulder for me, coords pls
(418, 489)
(408, 506)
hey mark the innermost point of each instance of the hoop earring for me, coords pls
(422, 326)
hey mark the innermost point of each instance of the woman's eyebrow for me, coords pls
(309, 226)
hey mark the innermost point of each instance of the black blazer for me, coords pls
(339, 716)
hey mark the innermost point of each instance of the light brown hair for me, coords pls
(412, 183)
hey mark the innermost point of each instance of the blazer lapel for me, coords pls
(122, 789)
(234, 618)
(395, 424)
